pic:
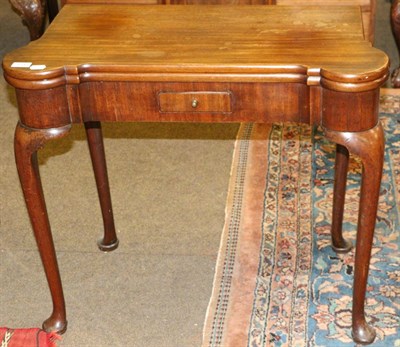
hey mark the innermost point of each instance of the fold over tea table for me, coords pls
(131, 63)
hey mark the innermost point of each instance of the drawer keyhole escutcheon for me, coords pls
(196, 102)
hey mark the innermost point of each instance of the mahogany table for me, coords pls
(120, 63)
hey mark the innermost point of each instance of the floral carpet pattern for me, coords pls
(302, 290)
(285, 263)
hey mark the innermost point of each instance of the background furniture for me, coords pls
(33, 14)
(395, 19)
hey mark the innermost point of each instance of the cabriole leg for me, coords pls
(96, 146)
(339, 244)
(369, 146)
(27, 142)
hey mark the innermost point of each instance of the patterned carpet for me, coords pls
(278, 282)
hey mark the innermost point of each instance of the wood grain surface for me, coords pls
(258, 43)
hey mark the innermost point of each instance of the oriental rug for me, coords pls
(277, 281)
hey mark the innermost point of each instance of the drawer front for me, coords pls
(216, 102)
(210, 102)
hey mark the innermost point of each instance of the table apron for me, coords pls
(142, 101)
(116, 101)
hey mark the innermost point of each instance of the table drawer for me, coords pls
(207, 101)
(172, 102)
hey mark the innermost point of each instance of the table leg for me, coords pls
(27, 142)
(369, 146)
(96, 146)
(339, 244)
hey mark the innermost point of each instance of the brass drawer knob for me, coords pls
(195, 103)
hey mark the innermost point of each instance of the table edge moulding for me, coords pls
(214, 64)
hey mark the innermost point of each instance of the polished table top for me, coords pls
(202, 43)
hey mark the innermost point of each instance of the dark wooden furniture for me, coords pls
(208, 64)
(33, 14)
(395, 20)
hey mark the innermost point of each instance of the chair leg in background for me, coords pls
(33, 13)
(395, 20)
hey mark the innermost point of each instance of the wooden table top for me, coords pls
(205, 43)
